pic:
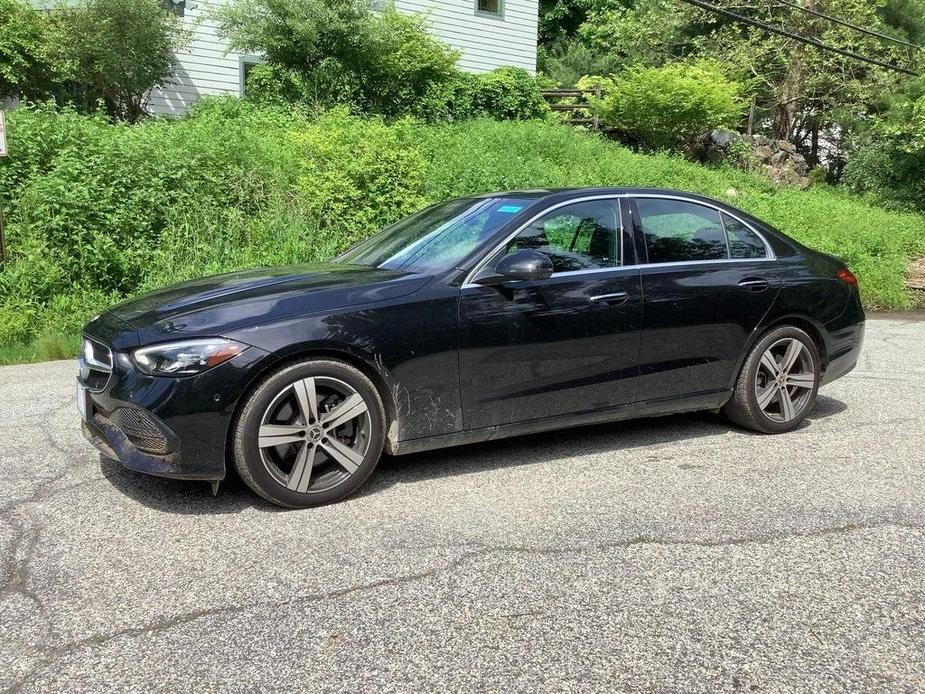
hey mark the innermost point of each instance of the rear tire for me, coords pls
(778, 383)
(309, 434)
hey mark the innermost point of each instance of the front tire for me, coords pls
(778, 383)
(309, 434)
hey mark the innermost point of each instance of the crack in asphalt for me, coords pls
(50, 655)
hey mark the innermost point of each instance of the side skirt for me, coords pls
(652, 408)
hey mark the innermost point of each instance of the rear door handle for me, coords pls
(754, 284)
(615, 299)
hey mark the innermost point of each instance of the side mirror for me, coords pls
(519, 265)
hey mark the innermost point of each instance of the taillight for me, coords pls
(846, 276)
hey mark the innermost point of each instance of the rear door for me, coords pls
(707, 281)
(563, 345)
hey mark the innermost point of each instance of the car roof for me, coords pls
(565, 193)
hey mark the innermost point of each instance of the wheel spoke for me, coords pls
(767, 361)
(301, 476)
(278, 434)
(794, 349)
(349, 409)
(342, 454)
(308, 399)
(802, 380)
(786, 405)
(766, 396)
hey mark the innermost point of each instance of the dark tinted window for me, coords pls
(678, 231)
(743, 242)
(488, 6)
(582, 236)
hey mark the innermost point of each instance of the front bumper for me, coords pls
(170, 427)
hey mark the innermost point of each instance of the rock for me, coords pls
(778, 158)
(799, 164)
(786, 146)
(714, 155)
(723, 138)
(764, 153)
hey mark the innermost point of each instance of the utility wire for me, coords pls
(797, 37)
(869, 32)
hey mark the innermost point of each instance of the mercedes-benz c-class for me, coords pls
(473, 319)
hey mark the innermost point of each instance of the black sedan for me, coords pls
(473, 319)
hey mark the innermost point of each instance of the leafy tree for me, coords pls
(26, 65)
(814, 98)
(118, 50)
(384, 62)
(890, 160)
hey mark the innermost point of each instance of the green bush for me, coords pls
(358, 175)
(99, 211)
(119, 50)
(27, 67)
(890, 163)
(338, 52)
(668, 107)
(505, 93)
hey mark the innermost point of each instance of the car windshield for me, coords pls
(438, 237)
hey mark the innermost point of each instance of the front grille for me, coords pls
(95, 365)
(141, 429)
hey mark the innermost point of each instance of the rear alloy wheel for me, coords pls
(310, 434)
(778, 384)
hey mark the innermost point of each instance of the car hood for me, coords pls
(218, 304)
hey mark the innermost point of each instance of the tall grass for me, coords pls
(99, 212)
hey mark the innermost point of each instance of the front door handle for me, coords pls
(754, 284)
(614, 299)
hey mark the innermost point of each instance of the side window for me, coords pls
(582, 236)
(678, 231)
(743, 242)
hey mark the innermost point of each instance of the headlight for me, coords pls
(185, 358)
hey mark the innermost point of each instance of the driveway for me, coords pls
(662, 555)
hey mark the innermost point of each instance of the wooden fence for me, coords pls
(572, 101)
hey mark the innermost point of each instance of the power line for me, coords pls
(797, 37)
(869, 32)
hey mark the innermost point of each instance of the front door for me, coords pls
(708, 280)
(563, 345)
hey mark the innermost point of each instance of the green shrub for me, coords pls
(237, 185)
(668, 107)
(505, 93)
(890, 163)
(566, 61)
(271, 84)
(118, 50)
(358, 175)
(338, 52)
(27, 67)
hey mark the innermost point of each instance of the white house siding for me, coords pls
(204, 67)
(486, 42)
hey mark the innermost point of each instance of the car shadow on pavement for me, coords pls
(187, 497)
(567, 443)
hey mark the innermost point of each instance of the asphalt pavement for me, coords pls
(673, 554)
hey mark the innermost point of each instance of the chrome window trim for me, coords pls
(497, 247)
(770, 257)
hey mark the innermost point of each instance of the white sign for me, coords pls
(2, 134)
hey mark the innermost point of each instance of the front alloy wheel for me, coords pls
(310, 434)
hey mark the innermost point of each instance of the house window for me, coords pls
(248, 63)
(494, 8)
(177, 7)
